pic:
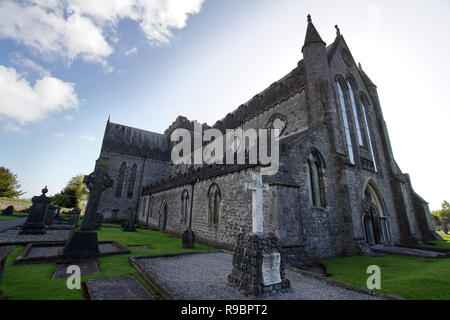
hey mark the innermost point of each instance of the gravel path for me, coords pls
(11, 223)
(204, 277)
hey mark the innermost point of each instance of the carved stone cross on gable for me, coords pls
(257, 188)
(97, 182)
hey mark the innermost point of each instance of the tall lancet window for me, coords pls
(132, 181)
(315, 169)
(121, 179)
(355, 113)
(346, 125)
(366, 123)
(214, 205)
(185, 206)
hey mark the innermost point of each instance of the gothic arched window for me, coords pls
(315, 169)
(121, 179)
(364, 104)
(346, 124)
(214, 205)
(132, 181)
(352, 95)
(185, 206)
(150, 207)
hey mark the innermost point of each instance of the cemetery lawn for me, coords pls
(4, 218)
(442, 244)
(33, 282)
(407, 277)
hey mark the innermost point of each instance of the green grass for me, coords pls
(445, 244)
(4, 218)
(407, 277)
(33, 282)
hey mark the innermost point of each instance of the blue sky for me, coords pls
(65, 66)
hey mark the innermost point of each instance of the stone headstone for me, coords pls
(73, 220)
(445, 225)
(9, 211)
(36, 218)
(130, 225)
(50, 214)
(98, 222)
(188, 239)
(4, 252)
(83, 243)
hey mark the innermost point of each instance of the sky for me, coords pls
(66, 66)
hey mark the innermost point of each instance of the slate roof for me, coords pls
(194, 175)
(136, 142)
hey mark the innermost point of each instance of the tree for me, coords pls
(73, 195)
(9, 185)
(443, 212)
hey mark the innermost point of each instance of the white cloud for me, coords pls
(131, 51)
(24, 103)
(88, 138)
(86, 29)
(29, 65)
(9, 127)
(68, 117)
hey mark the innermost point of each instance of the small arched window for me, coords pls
(185, 206)
(214, 205)
(132, 181)
(315, 169)
(121, 179)
(345, 120)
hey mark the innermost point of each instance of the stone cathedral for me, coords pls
(338, 191)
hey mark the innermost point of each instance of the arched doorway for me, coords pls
(163, 216)
(376, 225)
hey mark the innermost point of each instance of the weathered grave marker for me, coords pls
(36, 218)
(257, 267)
(83, 243)
(9, 211)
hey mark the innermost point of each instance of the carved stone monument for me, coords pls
(36, 218)
(129, 227)
(83, 243)
(257, 265)
(98, 222)
(445, 225)
(50, 214)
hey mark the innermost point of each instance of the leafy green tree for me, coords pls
(443, 212)
(73, 195)
(9, 185)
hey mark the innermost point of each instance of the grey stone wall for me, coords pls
(234, 214)
(148, 171)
